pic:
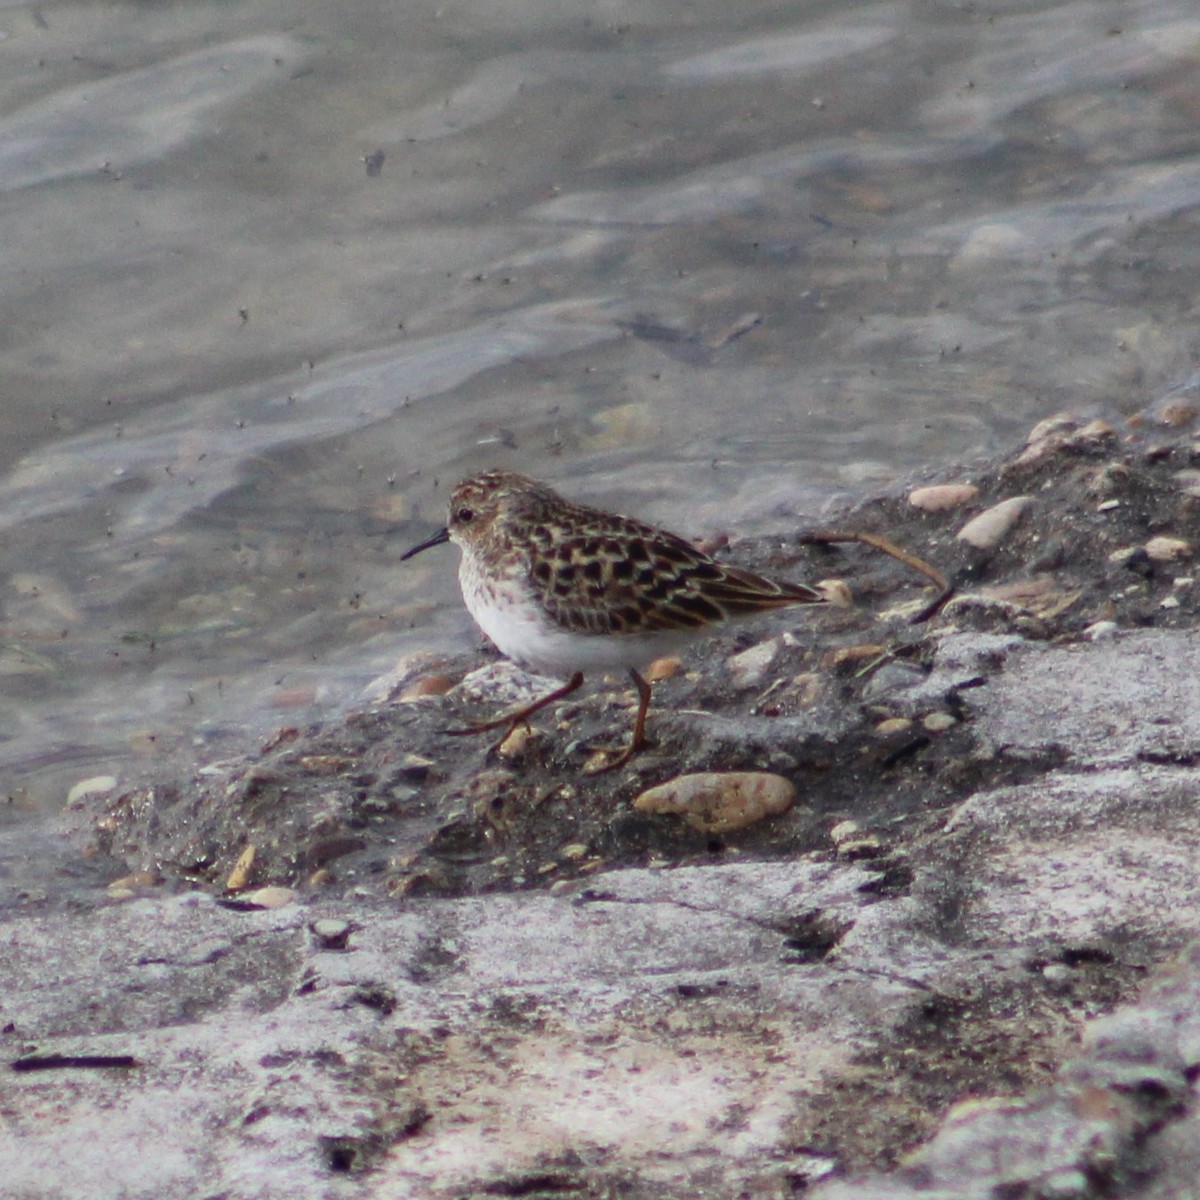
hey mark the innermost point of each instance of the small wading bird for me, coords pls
(563, 588)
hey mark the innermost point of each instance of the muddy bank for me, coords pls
(372, 959)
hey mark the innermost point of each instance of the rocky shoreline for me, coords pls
(948, 951)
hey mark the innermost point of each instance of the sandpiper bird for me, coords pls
(561, 587)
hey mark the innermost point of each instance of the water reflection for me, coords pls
(133, 116)
(275, 276)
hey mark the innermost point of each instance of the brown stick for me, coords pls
(831, 537)
(54, 1062)
(948, 587)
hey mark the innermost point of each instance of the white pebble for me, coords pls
(270, 897)
(749, 667)
(96, 786)
(941, 496)
(844, 831)
(989, 529)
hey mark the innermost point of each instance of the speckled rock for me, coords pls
(720, 802)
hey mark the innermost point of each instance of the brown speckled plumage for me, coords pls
(595, 572)
(564, 587)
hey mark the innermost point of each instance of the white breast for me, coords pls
(508, 612)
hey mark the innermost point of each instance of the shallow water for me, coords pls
(275, 275)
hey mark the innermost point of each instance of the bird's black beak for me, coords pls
(439, 539)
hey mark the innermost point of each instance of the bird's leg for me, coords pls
(509, 721)
(638, 741)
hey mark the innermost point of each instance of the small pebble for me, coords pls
(836, 592)
(853, 842)
(281, 737)
(574, 851)
(425, 688)
(844, 831)
(868, 845)
(1062, 432)
(240, 875)
(383, 689)
(852, 654)
(940, 497)
(131, 883)
(1177, 413)
(748, 668)
(662, 668)
(1098, 430)
(1189, 481)
(504, 683)
(414, 767)
(720, 802)
(1057, 973)
(893, 725)
(270, 897)
(597, 761)
(939, 722)
(1108, 505)
(713, 543)
(1109, 480)
(331, 933)
(990, 528)
(377, 806)
(98, 785)
(325, 764)
(1167, 549)
(516, 744)
(806, 687)
(1058, 423)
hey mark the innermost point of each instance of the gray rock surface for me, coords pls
(648, 1029)
(964, 964)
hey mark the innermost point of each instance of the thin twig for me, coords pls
(947, 588)
(831, 537)
(54, 1062)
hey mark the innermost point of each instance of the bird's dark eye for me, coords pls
(464, 516)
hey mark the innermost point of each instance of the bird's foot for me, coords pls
(509, 724)
(509, 721)
(603, 759)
